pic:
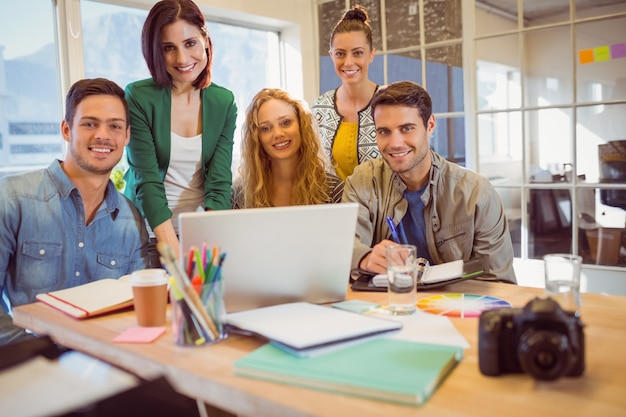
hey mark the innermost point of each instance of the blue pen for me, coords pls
(394, 231)
(402, 235)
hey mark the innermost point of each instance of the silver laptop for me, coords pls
(277, 255)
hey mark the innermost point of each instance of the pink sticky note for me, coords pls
(618, 50)
(139, 335)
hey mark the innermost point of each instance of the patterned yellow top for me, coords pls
(344, 149)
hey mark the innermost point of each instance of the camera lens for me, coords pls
(544, 354)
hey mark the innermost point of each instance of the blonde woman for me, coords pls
(282, 162)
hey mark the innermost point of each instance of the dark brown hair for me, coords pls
(164, 13)
(354, 19)
(91, 87)
(407, 94)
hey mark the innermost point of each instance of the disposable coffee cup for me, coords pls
(150, 296)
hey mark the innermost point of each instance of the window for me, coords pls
(550, 123)
(112, 49)
(112, 42)
(108, 40)
(30, 110)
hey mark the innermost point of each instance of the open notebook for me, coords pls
(91, 299)
(277, 255)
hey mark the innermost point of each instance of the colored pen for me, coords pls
(190, 263)
(216, 275)
(394, 231)
(199, 264)
(403, 240)
(204, 255)
(189, 294)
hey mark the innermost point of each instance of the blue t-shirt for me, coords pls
(412, 225)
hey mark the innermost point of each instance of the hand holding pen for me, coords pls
(375, 261)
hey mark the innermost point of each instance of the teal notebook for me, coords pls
(382, 369)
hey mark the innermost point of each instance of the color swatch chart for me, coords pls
(460, 305)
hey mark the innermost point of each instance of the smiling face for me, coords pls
(98, 134)
(279, 130)
(351, 55)
(404, 142)
(184, 50)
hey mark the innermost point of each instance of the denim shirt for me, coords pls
(45, 244)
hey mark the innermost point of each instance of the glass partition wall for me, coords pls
(531, 94)
(551, 123)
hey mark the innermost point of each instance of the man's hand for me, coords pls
(376, 260)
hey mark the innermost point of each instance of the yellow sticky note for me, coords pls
(585, 56)
(602, 53)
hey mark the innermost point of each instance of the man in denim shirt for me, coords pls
(67, 225)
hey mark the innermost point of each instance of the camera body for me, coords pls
(540, 339)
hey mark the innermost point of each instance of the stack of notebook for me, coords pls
(342, 352)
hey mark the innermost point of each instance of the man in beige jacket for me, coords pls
(447, 211)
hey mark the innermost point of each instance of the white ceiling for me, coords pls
(537, 9)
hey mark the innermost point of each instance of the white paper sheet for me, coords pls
(426, 328)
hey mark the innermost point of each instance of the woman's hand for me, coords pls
(165, 234)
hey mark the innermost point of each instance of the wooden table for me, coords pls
(206, 372)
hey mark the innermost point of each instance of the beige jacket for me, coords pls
(465, 214)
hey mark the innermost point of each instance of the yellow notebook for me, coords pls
(383, 369)
(91, 299)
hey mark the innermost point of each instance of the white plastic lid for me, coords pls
(148, 277)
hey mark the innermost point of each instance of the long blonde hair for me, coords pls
(309, 185)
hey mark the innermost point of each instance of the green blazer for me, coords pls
(148, 152)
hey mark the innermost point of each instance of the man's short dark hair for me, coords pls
(407, 94)
(92, 87)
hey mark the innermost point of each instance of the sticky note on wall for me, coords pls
(585, 56)
(618, 50)
(602, 53)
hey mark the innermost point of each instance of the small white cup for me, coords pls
(562, 279)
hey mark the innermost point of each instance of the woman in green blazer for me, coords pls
(182, 125)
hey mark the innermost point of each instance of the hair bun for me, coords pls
(356, 12)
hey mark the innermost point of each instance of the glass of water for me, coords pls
(562, 274)
(402, 277)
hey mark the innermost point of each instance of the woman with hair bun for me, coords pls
(344, 116)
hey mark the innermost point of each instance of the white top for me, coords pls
(184, 180)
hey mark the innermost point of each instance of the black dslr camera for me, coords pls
(540, 339)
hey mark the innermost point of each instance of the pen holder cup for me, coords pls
(192, 327)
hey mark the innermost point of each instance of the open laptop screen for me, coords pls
(277, 255)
